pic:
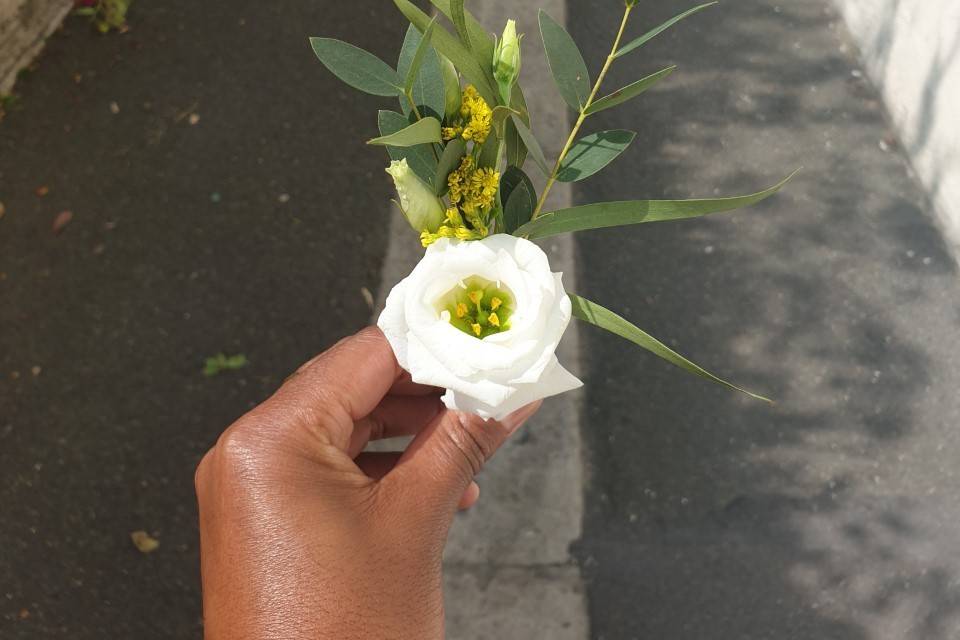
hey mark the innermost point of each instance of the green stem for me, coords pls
(583, 115)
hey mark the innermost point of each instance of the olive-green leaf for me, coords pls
(420, 158)
(422, 131)
(481, 44)
(512, 177)
(358, 68)
(460, 23)
(599, 316)
(530, 141)
(516, 150)
(449, 46)
(519, 196)
(615, 214)
(419, 66)
(566, 63)
(592, 153)
(629, 91)
(449, 160)
(653, 33)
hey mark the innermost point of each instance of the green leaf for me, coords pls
(592, 153)
(419, 65)
(513, 177)
(460, 23)
(420, 158)
(420, 132)
(530, 141)
(629, 91)
(221, 362)
(566, 63)
(520, 198)
(593, 313)
(481, 44)
(449, 46)
(358, 68)
(615, 214)
(450, 159)
(653, 33)
(85, 11)
(516, 150)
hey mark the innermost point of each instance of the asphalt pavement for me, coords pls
(221, 202)
(833, 514)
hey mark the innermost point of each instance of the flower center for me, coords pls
(477, 307)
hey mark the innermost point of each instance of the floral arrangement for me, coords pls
(481, 315)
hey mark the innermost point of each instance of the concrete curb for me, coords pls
(24, 27)
(508, 570)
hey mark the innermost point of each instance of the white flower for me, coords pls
(481, 319)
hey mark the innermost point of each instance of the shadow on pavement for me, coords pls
(831, 514)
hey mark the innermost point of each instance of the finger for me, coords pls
(469, 497)
(404, 386)
(333, 390)
(445, 456)
(376, 465)
(395, 416)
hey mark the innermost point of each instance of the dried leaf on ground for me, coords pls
(144, 542)
(61, 221)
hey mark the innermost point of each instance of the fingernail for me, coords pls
(516, 419)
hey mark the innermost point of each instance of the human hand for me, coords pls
(304, 536)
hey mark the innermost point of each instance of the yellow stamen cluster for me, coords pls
(473, 189)
(477, 307)
(475, 118)
(454, 228)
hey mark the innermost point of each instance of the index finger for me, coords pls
(335, 389)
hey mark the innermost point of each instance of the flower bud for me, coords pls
(451, 88)
(506, 60)
(423, 209)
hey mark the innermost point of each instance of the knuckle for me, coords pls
(470, 441)
(240, 453)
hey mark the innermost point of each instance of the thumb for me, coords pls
(443, 459)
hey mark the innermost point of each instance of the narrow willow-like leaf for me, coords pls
(420, 158)
(520, 198)
(629, 91)
(460, 23)
(420, 132)
(358, 68)
(419, 65)
(566, 62)
(592, 153)
(481, 44)
(593, 313)
(530, 141)
(449, 160)
(653, 33)
(449, 46)
(615, 214)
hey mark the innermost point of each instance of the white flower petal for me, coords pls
(555, 380)
(502, 372)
